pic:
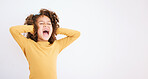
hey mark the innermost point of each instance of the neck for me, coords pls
(39, 40)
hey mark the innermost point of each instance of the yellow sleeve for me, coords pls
(72, 35)
(16, 33)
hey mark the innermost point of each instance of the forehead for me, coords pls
(43, 19)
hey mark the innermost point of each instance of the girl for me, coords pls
(41, 47)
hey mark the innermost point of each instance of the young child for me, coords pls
(41, 47)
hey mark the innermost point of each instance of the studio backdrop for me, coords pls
(113, 43)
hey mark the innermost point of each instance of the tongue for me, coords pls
(45, 34)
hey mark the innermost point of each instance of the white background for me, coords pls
(113, 42)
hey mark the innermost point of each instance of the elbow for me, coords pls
(12, 29)
(78, 34)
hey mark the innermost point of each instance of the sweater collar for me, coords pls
(43, 43)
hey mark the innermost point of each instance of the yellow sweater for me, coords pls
(42, 56)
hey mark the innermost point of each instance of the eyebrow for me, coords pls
(43, 21)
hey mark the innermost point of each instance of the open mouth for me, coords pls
(45, 32)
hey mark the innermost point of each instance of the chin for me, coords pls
(46, 39)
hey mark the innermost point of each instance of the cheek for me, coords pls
(51, 29)
(39, 31)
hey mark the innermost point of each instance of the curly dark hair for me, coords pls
(32, 19)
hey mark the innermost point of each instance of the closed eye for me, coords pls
(49, 23)
(41, 23)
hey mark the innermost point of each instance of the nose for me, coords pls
(45, 25)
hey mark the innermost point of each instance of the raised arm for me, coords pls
(16, 33)
(72, 35)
